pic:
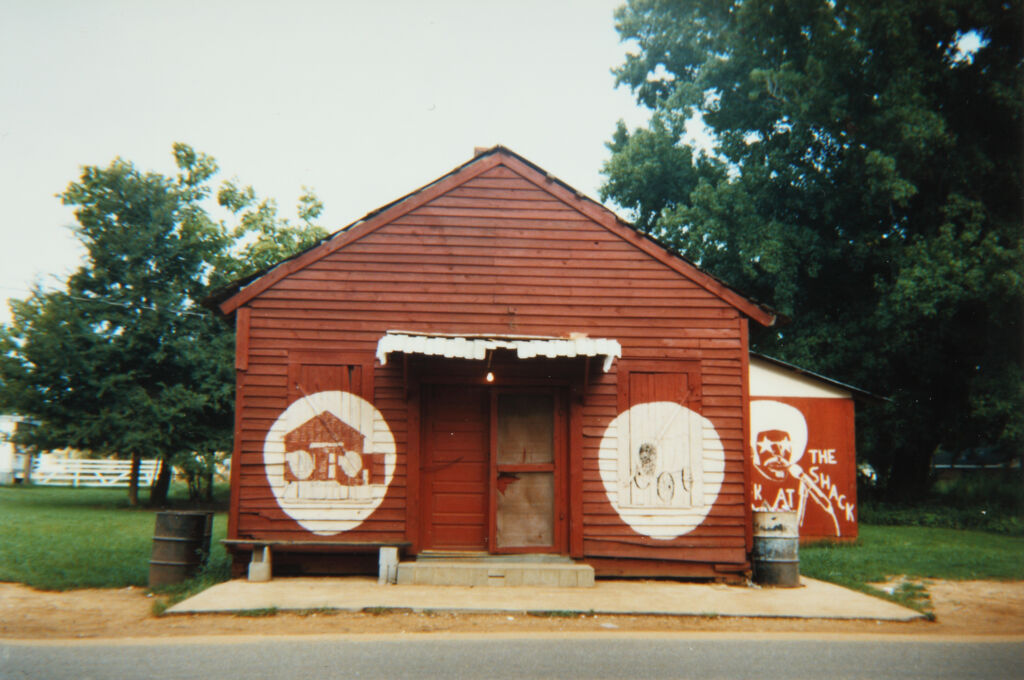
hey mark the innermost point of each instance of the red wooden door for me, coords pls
(455, 468)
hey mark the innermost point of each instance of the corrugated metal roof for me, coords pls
(471, 346)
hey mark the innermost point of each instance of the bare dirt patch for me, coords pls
(961, 608)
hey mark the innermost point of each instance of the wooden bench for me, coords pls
(260, 568)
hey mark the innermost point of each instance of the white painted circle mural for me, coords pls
(329, 459)
(662, 466)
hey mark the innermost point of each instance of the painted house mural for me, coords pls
(497, 364)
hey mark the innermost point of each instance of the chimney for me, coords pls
(479, 150)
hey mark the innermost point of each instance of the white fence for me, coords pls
(53, 471)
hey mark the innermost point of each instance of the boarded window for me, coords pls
(309, 378)
(661, 453)
(329, 451)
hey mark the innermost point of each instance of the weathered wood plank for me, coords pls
(507, 205)
(501, 222)
(564, 215)
(724, 554)
(520, 191)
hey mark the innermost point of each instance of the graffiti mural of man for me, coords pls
(778, 442)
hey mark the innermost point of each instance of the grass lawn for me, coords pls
(917, 552)
(884, 552)
(60, 538)
(56, 538)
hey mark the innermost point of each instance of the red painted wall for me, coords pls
(821, 479)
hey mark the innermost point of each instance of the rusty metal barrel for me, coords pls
(776, 555)
(181, 543)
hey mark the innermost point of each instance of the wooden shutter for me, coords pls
(661, 450)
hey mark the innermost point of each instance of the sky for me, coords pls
(362, 101)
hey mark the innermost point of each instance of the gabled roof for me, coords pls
(242, 291)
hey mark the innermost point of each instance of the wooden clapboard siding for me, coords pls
(502, 250)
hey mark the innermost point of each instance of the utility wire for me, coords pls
(126, 305)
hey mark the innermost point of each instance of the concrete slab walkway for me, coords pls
(814, 599)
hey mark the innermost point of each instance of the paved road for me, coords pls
(455, 658)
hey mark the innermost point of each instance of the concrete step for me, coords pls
(474, 556)
(491, 572)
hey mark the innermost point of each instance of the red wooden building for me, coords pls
(493, 363)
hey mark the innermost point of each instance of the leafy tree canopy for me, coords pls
(123, 360)
(864, 177)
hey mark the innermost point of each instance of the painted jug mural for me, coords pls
(802, 459)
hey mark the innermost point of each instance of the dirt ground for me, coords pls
(961, 608)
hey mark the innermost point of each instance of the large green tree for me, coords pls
(124, 361)
(863, 176)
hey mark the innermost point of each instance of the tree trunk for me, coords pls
(27, 472)
(911, 474)
(133, 481)
(161, 485)
(208, 493)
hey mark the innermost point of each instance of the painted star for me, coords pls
(764, 446)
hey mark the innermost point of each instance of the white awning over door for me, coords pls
(477, 346)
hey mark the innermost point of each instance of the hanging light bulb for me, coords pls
(490, 375)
